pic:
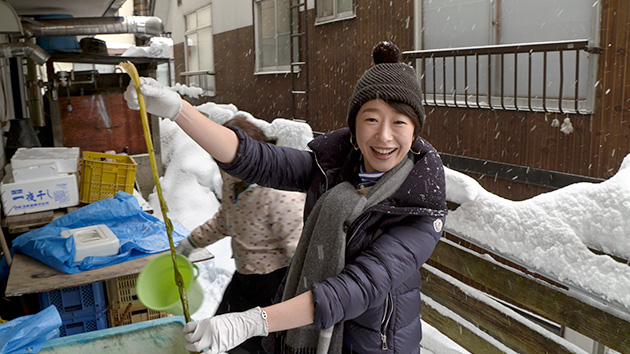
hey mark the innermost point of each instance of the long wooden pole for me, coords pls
(135, 78)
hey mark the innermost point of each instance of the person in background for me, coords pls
(265, 225)
(374, 211)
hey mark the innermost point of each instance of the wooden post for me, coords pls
(5, 248)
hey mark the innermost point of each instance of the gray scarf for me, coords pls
(320, 253)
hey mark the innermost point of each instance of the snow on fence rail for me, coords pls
(515, 274)
(504, 282)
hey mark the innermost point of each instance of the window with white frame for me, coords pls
(470, 23)
(273, 36)
(331, 10)
(199, 50)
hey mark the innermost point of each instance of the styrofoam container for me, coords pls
(38, 194)
(67, 159)
(95, 240)
(35, 172)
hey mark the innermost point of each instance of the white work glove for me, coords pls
(224, 332)
(158, 99)
(185, 247)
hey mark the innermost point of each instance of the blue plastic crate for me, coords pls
(76, 325)
(77, 301)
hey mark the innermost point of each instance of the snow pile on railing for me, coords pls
(552, 232)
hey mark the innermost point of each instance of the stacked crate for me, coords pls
(124, 303)
(81, 308)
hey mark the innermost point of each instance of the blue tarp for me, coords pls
(140, 234)
(27, 334)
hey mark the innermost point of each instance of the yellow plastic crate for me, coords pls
(121, 291)
(114, 316)
(103, 175)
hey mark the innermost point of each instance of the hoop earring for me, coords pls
(354, 145)
(415, 152)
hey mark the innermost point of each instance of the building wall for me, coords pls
(339, 52)
(595, 148)
(265, 96)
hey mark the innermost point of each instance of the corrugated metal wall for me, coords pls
(595, 148)
(340, 52)
(265, 96)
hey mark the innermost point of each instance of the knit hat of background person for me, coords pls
(389, 80)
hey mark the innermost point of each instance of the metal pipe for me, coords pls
(93, 26)
(561, 81)
(23, 49)
(544, 83)
(455, 81)
(554, 46)
(34, 95)
(444, 81)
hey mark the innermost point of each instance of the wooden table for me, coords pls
(28, 275)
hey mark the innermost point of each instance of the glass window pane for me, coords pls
(344, 6)
(193, 52)
(458, 23)
(268, 48)
(284, 50)
(324, 8)
(268, 18)
(206, 55)
(284, 17)
(204, 17)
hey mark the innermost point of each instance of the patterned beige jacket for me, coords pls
(265, 225)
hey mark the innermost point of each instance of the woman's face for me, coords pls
(383, 134)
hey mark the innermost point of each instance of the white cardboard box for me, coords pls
(67, 159)
(38, 194)
(35, 172)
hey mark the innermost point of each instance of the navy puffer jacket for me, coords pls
(377, 293)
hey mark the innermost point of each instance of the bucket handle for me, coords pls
(196, 274)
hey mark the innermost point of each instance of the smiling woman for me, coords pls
(374, 212)
(383, 135)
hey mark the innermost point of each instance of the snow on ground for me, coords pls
(550, 233)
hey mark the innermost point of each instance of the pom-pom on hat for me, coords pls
(389, 80)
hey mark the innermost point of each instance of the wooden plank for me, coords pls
(28, 220)
(549, 302)
(456, 332)
(28, 275)
(516, 335)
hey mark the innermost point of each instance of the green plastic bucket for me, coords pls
(156, 287)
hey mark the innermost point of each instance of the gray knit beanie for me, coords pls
(389, 80)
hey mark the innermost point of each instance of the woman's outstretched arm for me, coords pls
(220, 142)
